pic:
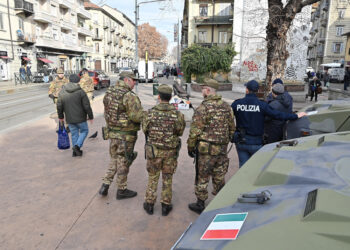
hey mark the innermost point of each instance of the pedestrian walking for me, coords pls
(87, 84)
(287, 98)
(162, 125)
(347, 77)
(22, 72)
(46, 74)
(167, 72)
(57, 84)
(326, 79)
(123, 115)
(274, 128)
(73, 105)
(314, 88)
(250, 115)
(211, 130)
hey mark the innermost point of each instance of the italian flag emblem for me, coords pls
(225, 227)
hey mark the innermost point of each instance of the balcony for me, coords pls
(83, 30)
(42, 17)
(25, 7)
(112, 29)
(113, 54)
(200, 20)
(25, 38)
(86, 48)
(83, 13)
(97, 37)
(65, 4)
(107, 52)
(321, 39)
(109, 40)
(47, 41)
(324, 22)
(66, 25)
(105, 25)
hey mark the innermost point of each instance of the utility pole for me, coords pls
(178, 38)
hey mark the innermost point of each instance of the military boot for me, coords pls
(104, 189)
(148, 207)
(125, 194)
(166, 209)
(197, 207)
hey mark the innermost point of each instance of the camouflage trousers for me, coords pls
(214, 166)
(119, 162)
(166, 165)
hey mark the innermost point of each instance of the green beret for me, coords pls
(210, 83)
(60, 71)
(128, 74)
(165, 89)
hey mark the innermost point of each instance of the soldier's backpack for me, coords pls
(114, 109)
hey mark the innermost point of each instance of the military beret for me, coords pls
(210, 83)
(128, 74)
(165, 89)
(278, 89)
(60, 71)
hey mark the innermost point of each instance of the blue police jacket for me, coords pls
(250, 115)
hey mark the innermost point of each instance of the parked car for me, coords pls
(125, 69)
(99, 78)
(142, 71)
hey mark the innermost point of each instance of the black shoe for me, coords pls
(197, 207)
(166, 209)
(77, 151)
(104, 189)
(125, 194)
(148, 207)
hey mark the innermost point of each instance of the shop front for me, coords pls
(4, 66)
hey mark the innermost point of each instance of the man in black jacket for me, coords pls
(75, 105)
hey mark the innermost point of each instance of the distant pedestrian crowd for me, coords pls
(248, 123)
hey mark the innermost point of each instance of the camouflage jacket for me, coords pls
(163, 125)
(212, 122)
(86, 83)
(123, 112)
(56, 86)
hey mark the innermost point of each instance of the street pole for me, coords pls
(178, 38)
(136, 37)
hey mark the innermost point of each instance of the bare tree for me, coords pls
(151, 40)
(281, 17)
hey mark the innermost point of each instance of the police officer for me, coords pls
(211, 130)
(250, 115)
(162, 125)
(123, 115)
(56, 85)
(87, 84)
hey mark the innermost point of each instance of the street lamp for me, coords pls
(137, 6)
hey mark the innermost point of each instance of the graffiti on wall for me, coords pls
(252, 66)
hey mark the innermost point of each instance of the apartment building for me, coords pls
(125, 38)
(17, 37)
(207, 22)
(105, 39)
(330, 20)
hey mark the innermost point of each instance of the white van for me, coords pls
(335, 71)
(142, 71)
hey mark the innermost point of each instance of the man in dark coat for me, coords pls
(287, 98)
(347, 78)
(274, 128)
(73, 103)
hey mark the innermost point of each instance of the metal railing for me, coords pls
(24, 5)
(214, 20)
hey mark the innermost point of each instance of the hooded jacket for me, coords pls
(274, 128)
(74, 104)
(287, 100)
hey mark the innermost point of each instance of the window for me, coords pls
(202, 36)
(74, 19)
(20, 24)
(338, 47)
(54, 10)
(1, 22)
(224, 9)
(55, 34)
(203, 10)
(340, 30)
(222, 37)
(341, 13)
(97, 47)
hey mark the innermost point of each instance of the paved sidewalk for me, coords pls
(49, 200)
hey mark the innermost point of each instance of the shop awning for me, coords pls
(45, 60)
(4, 57)
(26, 58)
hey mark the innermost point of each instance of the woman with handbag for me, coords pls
(314, 88)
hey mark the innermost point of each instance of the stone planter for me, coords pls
(222, 87)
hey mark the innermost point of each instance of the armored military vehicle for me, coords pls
(323, 117)
(290, 195)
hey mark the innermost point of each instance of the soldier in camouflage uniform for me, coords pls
(211, 130)
(123, 114)
(56, 85)
(162, 125)
(87, 84)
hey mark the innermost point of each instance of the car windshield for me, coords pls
(91, 73)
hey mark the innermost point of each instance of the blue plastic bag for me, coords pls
(63, 138)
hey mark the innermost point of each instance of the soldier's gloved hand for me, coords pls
(51, 96)
(191, 153)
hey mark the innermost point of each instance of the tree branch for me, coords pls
(308, 2)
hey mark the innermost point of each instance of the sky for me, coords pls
(162, 15)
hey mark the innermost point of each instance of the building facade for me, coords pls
(330, 20)
(207, 22)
